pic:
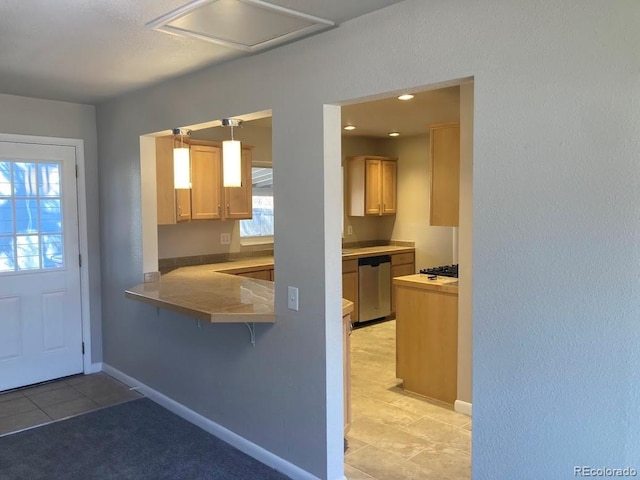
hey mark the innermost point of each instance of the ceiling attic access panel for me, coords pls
(246, 25)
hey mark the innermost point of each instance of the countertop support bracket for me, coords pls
(252, 333)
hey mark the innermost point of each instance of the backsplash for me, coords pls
(165, 265)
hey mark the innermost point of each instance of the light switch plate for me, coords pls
(292, 298)
(225, 238)
(349, 230)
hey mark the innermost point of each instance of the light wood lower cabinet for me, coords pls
(427, 342)
(346, 370)
(350, 285)
(401, 264)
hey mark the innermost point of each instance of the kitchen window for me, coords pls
(260, 228)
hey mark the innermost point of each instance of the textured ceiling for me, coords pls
(376, 118)
(89, 50)
(379, 117)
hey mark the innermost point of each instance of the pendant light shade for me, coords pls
(231, 157)
(181, 162)
(231, 163)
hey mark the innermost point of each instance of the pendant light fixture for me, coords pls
(231, 156)
(181, 163)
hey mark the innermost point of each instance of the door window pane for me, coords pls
(49, 180)
(6, 216)
(51, 251)
(50, 216)
(7, 255)
(26, 216)
(31, 234)
(5, 179)
(24, 179)
(28, 252)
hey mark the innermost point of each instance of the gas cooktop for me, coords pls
(444, 271)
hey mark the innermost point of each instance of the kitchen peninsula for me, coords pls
(235, 291)
(427, 335)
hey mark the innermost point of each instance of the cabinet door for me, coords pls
(389, 181)
(372, 196)
(350, 291)
(238, 200)
(400, 271)
(205, 183)
(165, 193)
(445, 174)
(183, 204)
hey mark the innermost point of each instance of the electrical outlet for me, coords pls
(292, 298)
(349, 230)
(151, 277)
(225, 238)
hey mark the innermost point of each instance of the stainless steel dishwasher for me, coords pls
(374, 287)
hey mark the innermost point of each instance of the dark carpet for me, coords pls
(133, 440)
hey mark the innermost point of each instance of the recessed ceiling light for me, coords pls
(394, 134)
(406, 96)
(350, 127)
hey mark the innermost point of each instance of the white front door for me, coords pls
(40, 300)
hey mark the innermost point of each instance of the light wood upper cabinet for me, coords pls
(172, 205)
(206, 201)
(238, 200)
(183, 204)
(445, 173)
(371, 185)
(388, 178)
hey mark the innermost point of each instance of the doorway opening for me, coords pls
(43, 232)
(394, 427)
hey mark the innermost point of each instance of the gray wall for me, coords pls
(555, 196)
(46, 118)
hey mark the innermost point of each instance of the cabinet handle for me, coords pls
(228, 208)
(379, 208)
(219, 209)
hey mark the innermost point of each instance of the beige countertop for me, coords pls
(210, 296)
(203, 292)
(246, 265)
(355, 253)
(421, 281)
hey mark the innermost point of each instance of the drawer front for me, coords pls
(349, 266)
(402, 258)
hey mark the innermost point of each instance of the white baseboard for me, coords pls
(93, 368)
(462, 407)
(241, 443)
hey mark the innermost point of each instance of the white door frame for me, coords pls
(78, 144)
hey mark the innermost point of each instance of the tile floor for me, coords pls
(31, 406)
(395, 435)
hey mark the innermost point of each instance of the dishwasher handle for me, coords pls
(374, 261)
